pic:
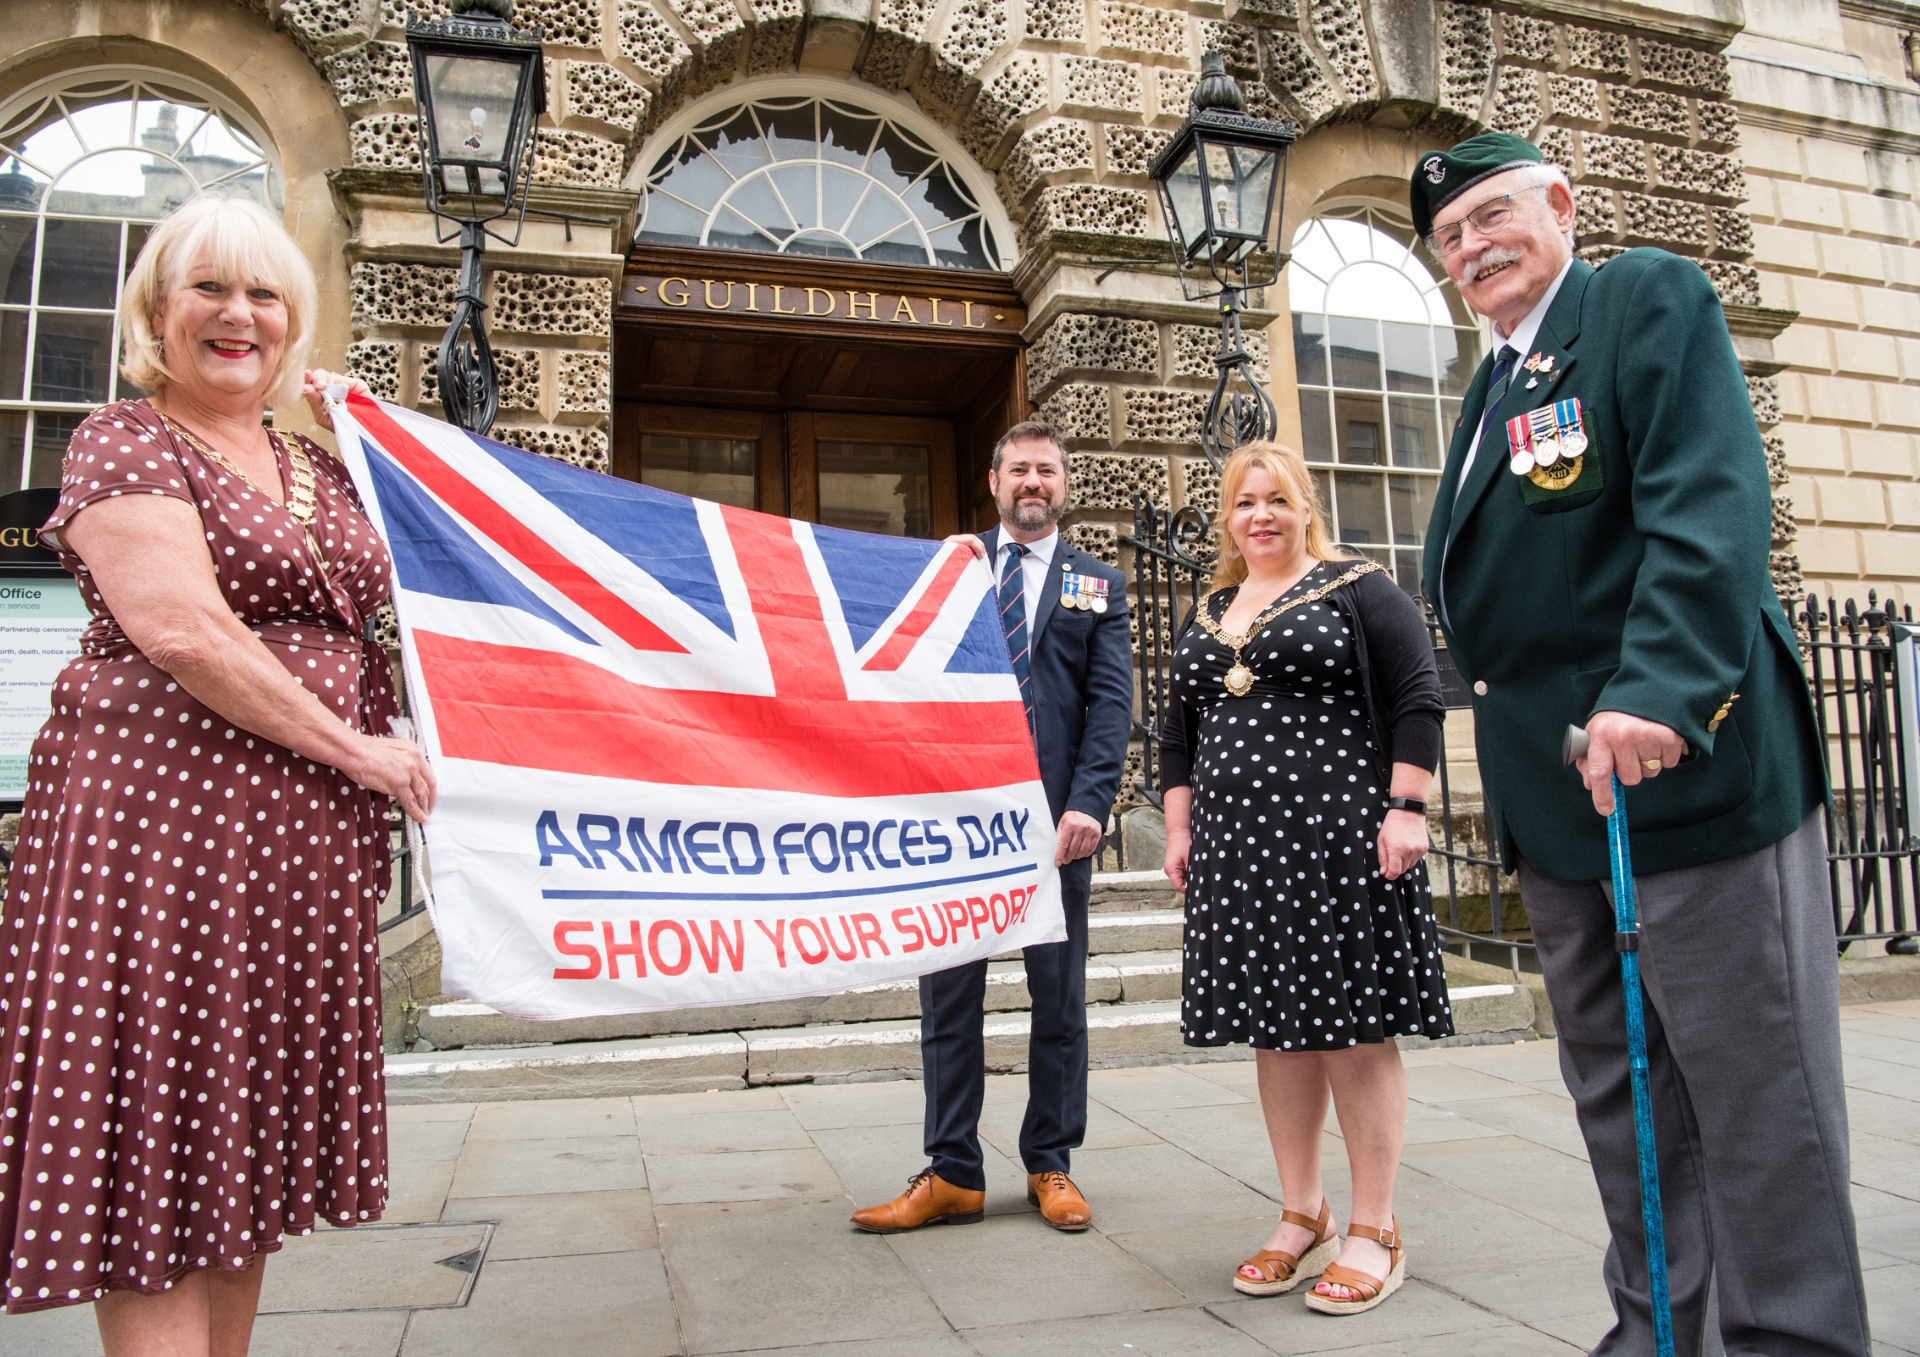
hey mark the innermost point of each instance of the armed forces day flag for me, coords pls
(690, 754)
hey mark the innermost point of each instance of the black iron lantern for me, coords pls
(1222, 180)
(480, 85)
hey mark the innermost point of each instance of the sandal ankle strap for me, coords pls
(1388, 1235)
(1318, 1224)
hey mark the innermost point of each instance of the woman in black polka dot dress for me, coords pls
(189, 961)
(1302, 697)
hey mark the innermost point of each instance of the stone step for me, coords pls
(1133, 890)
(1137, 1033)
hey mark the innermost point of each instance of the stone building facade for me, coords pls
(1772, 141)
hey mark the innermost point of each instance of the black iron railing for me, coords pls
(1170, 573)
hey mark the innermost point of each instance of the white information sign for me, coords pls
(40, 626)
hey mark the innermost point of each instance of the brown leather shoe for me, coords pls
(928, 1200)
(1060, 1202)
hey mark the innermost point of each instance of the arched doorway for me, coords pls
(815, 319)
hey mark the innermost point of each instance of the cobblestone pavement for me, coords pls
(717, 1223)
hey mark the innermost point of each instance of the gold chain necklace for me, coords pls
(1239, 679)
(302, 502)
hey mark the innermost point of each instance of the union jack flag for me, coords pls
(587, 657)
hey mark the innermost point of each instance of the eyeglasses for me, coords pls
(1487, 218)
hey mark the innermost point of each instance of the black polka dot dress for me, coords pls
(189, 957)
(1294, 940)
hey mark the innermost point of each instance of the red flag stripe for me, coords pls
(900, 645)
(536, 709)
(512, 536)
(785, 606)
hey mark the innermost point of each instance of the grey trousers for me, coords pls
(1749, 1111)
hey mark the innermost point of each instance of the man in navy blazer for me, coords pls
(1079, 688)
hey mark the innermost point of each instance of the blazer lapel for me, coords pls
(1050, 591)
(1440, 526)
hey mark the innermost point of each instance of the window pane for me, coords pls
(1360, 508)
(876, 487)
(1323, 487)
(1316, 429)
(1310, 350)
(13, 448)
(1458, 352)
(1416, 436)
(16, 261)
(1356, 353)
(51, 434)
(13, 354)
(1406, 570)
(1412, 500)
(1361, 430)
(81, 258)
(137, 233)
(1409, 359)
(1449, 417)
(717, 469)
(72, 357)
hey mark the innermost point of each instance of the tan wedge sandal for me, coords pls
(1368, 1290)
(1282, 1271)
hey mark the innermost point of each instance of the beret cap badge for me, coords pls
(1436, 169)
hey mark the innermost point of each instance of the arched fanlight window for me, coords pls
(88, 162)
(1381, 361)
(813, 175)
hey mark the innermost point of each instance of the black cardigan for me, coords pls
(1394, 655)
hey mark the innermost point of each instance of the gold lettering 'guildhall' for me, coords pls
(822, 303)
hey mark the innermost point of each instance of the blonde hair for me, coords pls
(245, 242)
(1289, 469)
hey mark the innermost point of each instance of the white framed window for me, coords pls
(89, 160)
(1382, 357)
(797, 167)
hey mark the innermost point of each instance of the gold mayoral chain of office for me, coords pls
(301, 502)
(1239, 679)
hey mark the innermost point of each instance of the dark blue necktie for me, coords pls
(1013, 620)
(1496, 392)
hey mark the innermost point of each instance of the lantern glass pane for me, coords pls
(1239, 179)
(473, 107)
(1186, 192)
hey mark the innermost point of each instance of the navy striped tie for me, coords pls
(1013, 620)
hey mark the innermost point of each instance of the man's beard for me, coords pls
(1486, 259)
(1028, 516)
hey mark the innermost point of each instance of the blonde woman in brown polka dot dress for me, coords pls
(189, 969)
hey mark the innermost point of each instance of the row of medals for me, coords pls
(1071, 597)
(1550, 449)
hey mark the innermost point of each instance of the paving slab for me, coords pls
(553, 1119)
(1144, 1187)
(66, 1332)
(831, 1282)
(1583, 1331)
(1880, 1076)
(591, 1304)
(1199, 1260)
(417, 1190)
(1450, 1082)
(1426, 1122)
(1017, 1269)
(875, 1162)
(508, 1168)
(371, 1333)
(1893, 1303)
(832, 1106)
(1157, 1333)
(1533, 1292)
(1232, 1138)
(1452, 1230)
(1890, 1165)
(718, 1131)
(1414, 1315)
(427, 1141)
(1546, 1121)
(742, 1176)
(1512, 1340)
(924, 1345)
(1552, 1189)
(560, 1224)
(374, 1267)
(1887, 1224)
(1156, 1086)
(1000, 1123)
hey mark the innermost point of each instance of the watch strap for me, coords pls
(1406, 803)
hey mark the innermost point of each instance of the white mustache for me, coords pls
(1495, 254)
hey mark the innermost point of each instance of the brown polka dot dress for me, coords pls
(189, 964)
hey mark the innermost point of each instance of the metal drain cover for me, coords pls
(376, 1267)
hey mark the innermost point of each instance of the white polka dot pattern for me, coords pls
(1294, 940)
(189, 962)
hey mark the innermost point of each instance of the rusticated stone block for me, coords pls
(1593, 213)
(377, 363)
(1707, 173)
(1466, 56)
(1194, 347)
(1596, 255)
(1099, 540)
(1556, 144)
(898, 29)
(1784, 528)
(1140, 28)
(1080, 412)
(1618, 159)
(1732, 231)
(597, 90)
(372, 73)
(393, 13)
(566, 23)
(1091, 209)
(975, 30)
(1516, 105)
(1777, 472)
(1199, 484)
(1173, 91)
(1574, 98)
(1764, 392)
(1056, 147)
(718, 26)
(777, 28)
(1788, 582)
(1266, 13)
(1738, 284)
(551, 304)
(1293, 73)
(1653, 111)
(1342, 31)
(1687, 67)
(1525, 37)
(1148, 416)
(1057, 20)
(586, 448)
(1092, 84)
(387, 141)
(519, 371)
(326, 25)
(1719, 124)
(650, 43)
(386, 628)
(1131, 149)
(1103, 344)
(1016, 90)
(1589, 49)
(576, 158)
(1110, 480)
(402, 294)
(583, 383)
(1666, 220)
(1237, 44)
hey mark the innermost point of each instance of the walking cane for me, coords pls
(1626, 937)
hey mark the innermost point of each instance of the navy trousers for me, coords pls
(953, 1051)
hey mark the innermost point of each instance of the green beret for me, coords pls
(1442, 176)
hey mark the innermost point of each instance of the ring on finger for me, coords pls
(1651, 765)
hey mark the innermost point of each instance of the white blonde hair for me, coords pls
(242, 241)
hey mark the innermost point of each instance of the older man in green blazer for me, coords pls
(1598, 556)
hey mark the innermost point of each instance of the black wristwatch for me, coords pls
(1406, 803)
